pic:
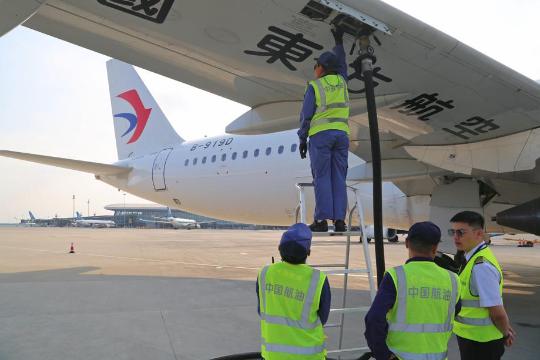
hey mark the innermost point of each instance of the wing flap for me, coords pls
(79, 165)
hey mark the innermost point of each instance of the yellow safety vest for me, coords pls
(289, 298)
(473, 321)
(332, 101)
(420, 322)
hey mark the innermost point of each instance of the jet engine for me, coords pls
(14, 13)
(524, 217)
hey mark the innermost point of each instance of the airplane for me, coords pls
(95, 223)
(29, 222)
(458, 129)
(176, 223)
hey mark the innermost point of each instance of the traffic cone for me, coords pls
(72, 249)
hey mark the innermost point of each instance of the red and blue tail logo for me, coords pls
(137, 121)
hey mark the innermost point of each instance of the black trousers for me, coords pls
(474, 350)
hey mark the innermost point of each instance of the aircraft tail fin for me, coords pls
(169, 212)
(32, 217)
(78, 214)
(140, 126)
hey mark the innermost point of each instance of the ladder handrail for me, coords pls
(301, 210)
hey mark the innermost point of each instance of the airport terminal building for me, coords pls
(141, 216)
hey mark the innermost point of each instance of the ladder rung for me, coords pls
(328, 265)
(331, 233)
(346, 271)
(332, 326)
(350, 310)
(348, 350)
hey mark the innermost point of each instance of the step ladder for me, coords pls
(344, 268)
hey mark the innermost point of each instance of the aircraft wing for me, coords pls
(79, 165)
(432, 90)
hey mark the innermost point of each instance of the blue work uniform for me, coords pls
(328, 152)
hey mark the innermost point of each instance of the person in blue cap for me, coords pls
(324, 119)
(413, 313)
(293, 301)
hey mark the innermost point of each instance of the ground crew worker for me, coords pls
(482, 326)
(411, 317)
(294, 301)
(324, 118)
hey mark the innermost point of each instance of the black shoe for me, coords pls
(319, 226)
(340, 226)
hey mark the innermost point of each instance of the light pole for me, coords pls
(88, 209)
(73, 207)
(124, 209)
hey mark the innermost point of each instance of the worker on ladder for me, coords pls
(294, 302)
(412, 315)
(324, 119)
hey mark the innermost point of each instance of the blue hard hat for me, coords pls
(299, 234)
(425, 232)
(328, 60)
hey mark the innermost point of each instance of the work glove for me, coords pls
(303, 150)
(337, 32)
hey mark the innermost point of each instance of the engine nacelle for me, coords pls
(524, 217)
(388, 233)
(16, 12)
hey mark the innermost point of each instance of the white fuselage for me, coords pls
(95, 223)
(237, 178)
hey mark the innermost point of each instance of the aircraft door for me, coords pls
(158, 169)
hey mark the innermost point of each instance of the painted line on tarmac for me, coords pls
(137, 259)
(215, 266)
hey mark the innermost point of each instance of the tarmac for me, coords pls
(177, 294)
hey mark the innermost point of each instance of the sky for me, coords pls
(54, 101)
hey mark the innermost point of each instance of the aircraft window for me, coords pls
(245, 154)
(186, 163)
(268, 151)
(293, 147)
(195, 161)
(203, 160)
(256, 153)
(223, 157)
(280, 149)
(234, 155)
(213, 158)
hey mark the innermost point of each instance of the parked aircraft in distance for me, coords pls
(95, 223)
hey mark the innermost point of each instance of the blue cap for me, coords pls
(425, 232)
(329, 60)
(298, 233)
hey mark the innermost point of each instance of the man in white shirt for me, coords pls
(482, 326)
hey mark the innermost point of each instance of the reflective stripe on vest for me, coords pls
(401, 324)
(414, 356)
(303, 323)
(298, 350)
(474, 321)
